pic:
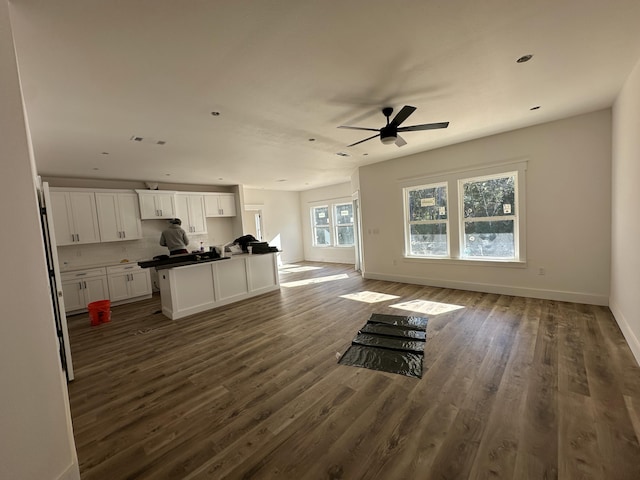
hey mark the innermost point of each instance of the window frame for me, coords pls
(314, 225)
(456, 218)
(514, 217)
(336, 224)
(408, 222)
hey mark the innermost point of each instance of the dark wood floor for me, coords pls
(514, 388)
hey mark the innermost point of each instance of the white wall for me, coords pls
(624, 299)
(280, 219)
(568, 212)
(36, 440)
(340, 193)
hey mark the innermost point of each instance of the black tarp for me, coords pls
(389, 343)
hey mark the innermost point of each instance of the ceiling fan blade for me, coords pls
(425, 126)
(402, 115)
(360, 128)
(400, 142)
(354, 144)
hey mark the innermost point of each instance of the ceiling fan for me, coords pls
(389, 133)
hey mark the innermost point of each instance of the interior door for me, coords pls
(55, 282)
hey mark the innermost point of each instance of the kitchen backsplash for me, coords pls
(74, 257)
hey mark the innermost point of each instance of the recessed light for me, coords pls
(535, 108)
(524, 58)
(343, 154)
(220, 178)
(312, 139)
(281, 180)
(135, 138)
(104, 153)
(365, 154)
(161, 142)
(167, 174)
(215, 114)
(96, 168)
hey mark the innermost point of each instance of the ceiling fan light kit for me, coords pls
(388, 139)
(389, 133)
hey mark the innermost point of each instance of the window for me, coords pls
(344, 224)
(467, 215)
(489, 213)
(333, 225)
(321, 226)
(427, 221)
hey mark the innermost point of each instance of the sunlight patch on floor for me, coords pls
(297, 269)
(311, 281)
(369, 297)
(425, 306)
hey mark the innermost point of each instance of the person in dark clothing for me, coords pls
(175, 238)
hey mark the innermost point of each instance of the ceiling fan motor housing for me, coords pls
(388, 134)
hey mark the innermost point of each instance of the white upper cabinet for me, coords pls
(190, 209)
(156, 204)
(118, 216)
(75, 217)
(220, 205)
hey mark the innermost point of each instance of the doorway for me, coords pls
(252, 222)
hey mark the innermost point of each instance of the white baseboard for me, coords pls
(562, 296)
(629, 336)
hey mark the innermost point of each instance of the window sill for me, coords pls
(467, 262)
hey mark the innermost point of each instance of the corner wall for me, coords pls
(36, 438)
(568, 188)
(624, 300)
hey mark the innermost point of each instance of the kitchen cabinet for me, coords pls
(190, 209)
(189, 289)
(118, 216)
(82, 287)
(220, 205)
(128, 281)
(75, 217)
(155, 204)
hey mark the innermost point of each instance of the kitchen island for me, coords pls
(187, 289)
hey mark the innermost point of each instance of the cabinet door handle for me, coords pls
(160, 212)
(124, 235)
(84, 285)
(78, 236)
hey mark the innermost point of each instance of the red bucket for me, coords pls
(100, 312)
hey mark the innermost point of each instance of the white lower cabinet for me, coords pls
(83, 287)
(191, 289)
(128, 281)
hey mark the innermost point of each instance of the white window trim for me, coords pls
(407, 223)
(453, 233)
(334, 207)
(313, 225)
(515, 217)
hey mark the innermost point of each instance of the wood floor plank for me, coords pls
(512, 388)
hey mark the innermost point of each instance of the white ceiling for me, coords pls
(97, 72)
